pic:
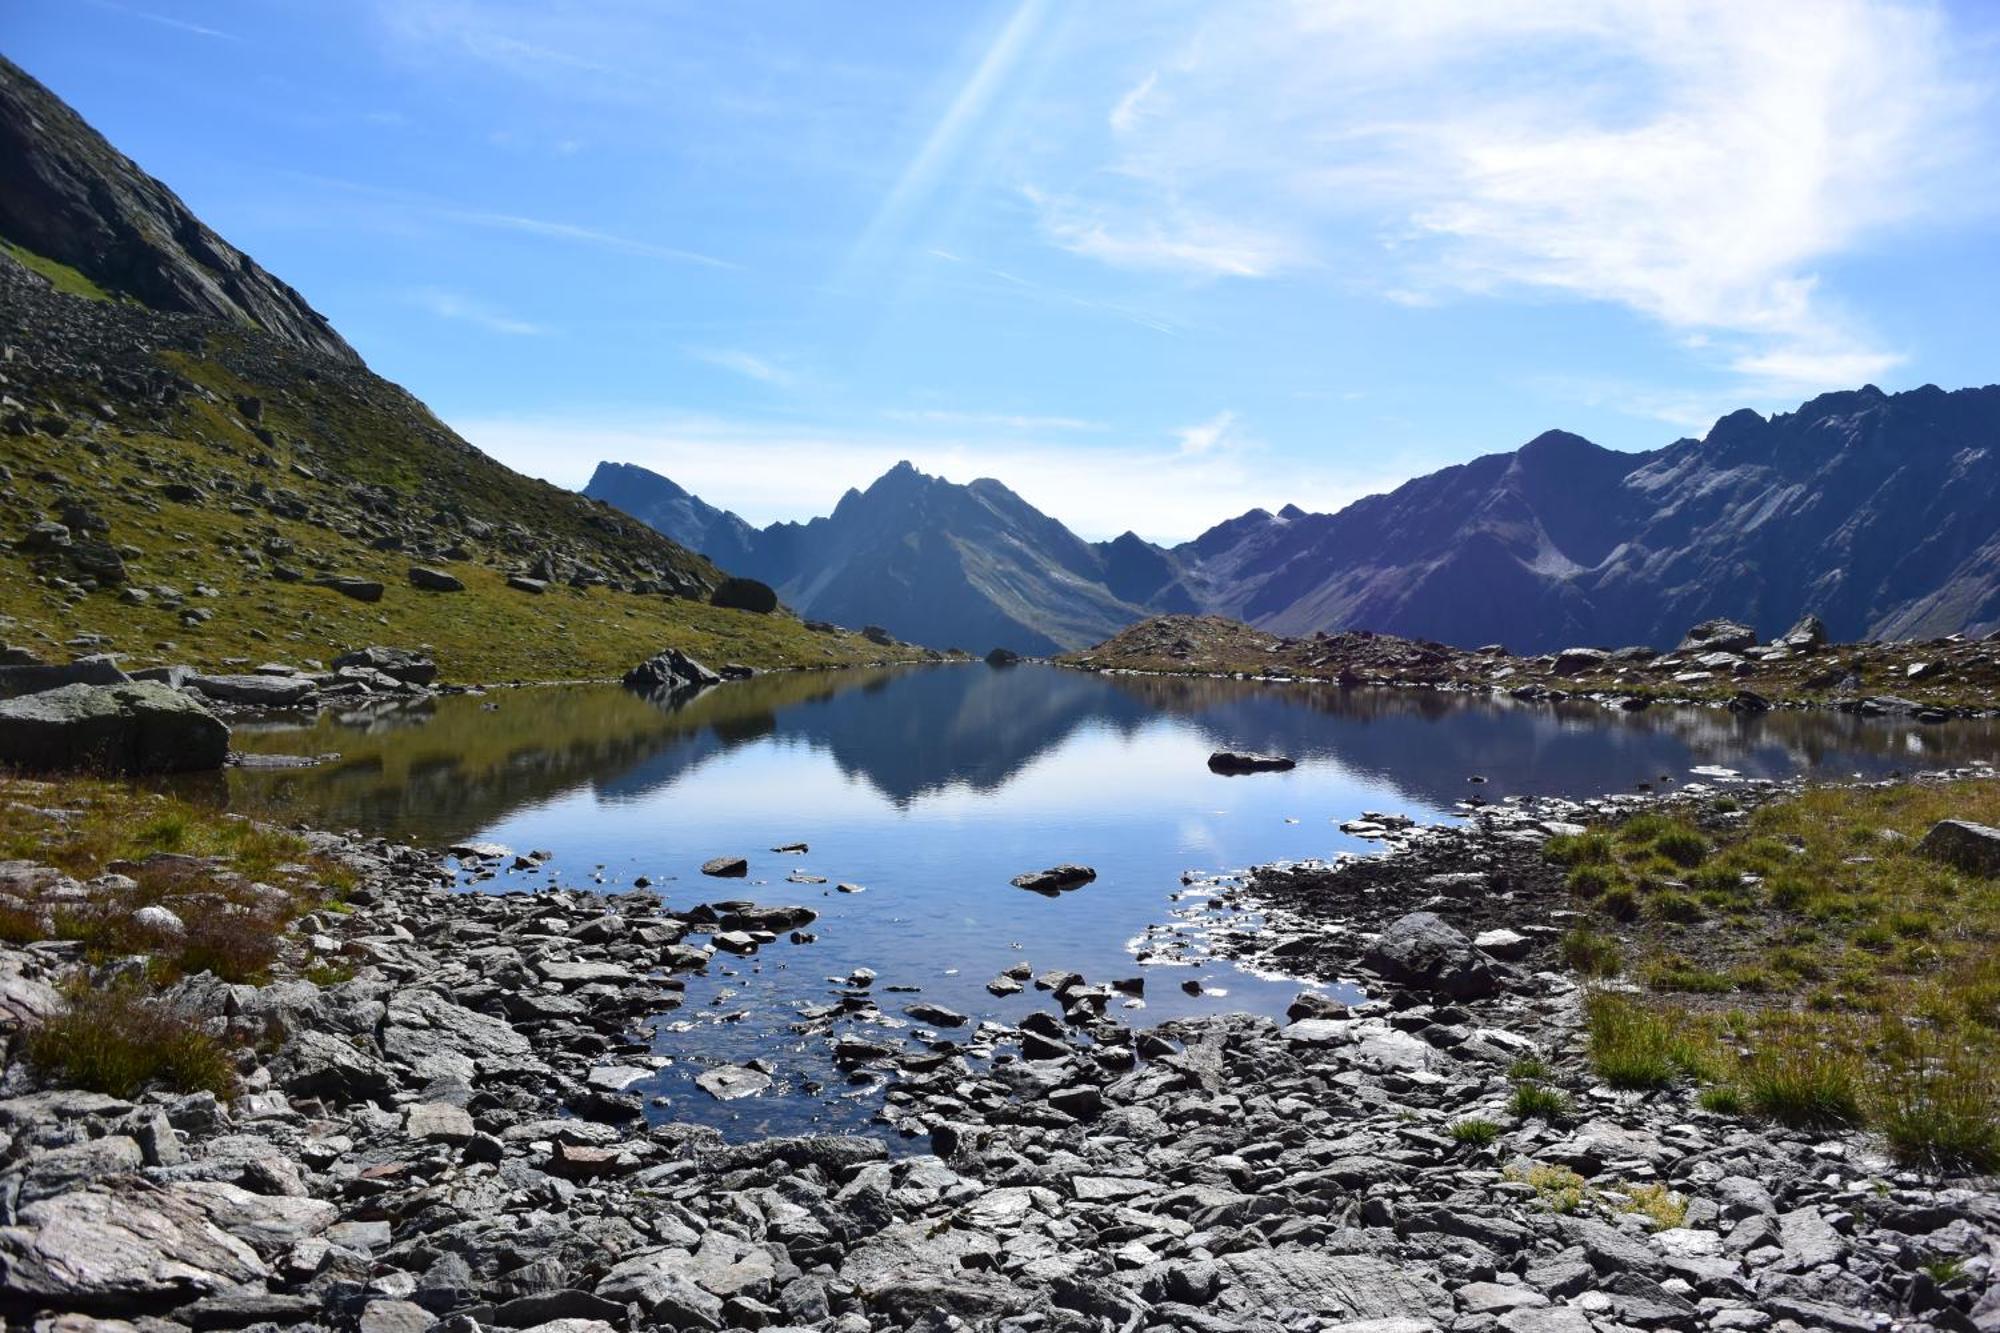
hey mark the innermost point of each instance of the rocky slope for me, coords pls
(972, 566)
(203, 481)
(69, 196)
(1718, 661)
(1877, 512)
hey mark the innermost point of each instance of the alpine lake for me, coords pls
(920, 792)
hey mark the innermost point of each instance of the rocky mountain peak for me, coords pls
(67, 195)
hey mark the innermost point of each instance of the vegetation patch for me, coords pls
(1837, 976)
(119, 1040)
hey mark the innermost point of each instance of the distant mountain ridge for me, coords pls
(1878, 512)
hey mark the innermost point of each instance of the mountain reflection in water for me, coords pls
(442, 770)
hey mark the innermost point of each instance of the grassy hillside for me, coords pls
(207, 474)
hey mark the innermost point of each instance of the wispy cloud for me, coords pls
(1695, 161)
(166, 20)
(1207, 436)
(767, 471)
(739, 362)
(469, 310)
(994, 420)
(566, 231)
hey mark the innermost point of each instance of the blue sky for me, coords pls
(1149, 263)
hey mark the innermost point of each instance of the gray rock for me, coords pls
(1234, 762)
(1973, 848)
(34, 678)
(726, 867)
(435, 580)
(1350, 1286)
(319, 1064)
(1809, 633)
(411, 668)
(437, 1121)
(122, 1249)
(658, 1283)
(135, 728)
(348, 585)
(727, 1083)
(1719, 636)
(1421, 949)
(1055, 880)
(259, 691)
(669, 673)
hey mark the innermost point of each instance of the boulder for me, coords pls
(1422, 949)
(1002, 657)
(726, 867)
(427, 579)
(258, 691)
(1809, 633)
(347, 585)
(1576, 661)
(740, 594)
(34, 678)
(405, 665)
(122, 1248)
(133, 728)
(1233, 761)
(875, 634)
(1973, 848)
(669, 673)
(1054, 880)
(522, 583)
(728, 1083)
(1718, 636)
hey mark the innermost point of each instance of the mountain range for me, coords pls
(1878, 512)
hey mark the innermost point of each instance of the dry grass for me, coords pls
(120, 1040)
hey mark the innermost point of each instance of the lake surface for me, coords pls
(931, 787)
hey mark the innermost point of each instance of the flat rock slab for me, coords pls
(728, 1083)
(1350, 1286)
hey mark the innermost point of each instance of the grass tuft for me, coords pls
(1474, 1132)
(116, 1041)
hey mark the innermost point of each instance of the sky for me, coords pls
(1149, 263)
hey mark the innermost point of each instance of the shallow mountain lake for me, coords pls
(931, 787)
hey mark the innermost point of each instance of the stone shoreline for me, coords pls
(446, 1141)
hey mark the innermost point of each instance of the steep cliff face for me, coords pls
(68, 195)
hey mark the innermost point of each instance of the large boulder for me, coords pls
(739, 594)
(435, 580)
(412, 668)
(1422, 949)
(1232, 762)
(126, 1248)
(1055, 880)
(1576, 661)
(1719, 636)
(1804, 637)
(348, 585)
(1002, 657)
(669, 673)
(33, 678)
(1973, 848)
(138, 727)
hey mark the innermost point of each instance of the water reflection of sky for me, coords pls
(931, 788)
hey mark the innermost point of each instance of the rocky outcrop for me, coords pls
(68, 195)
(741, 594)
(403, 664)
(669, 674)
(33, 678)
(138, 727)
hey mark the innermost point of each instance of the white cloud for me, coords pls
(743, 363)
(1695, 161)
(469, 310)
(770, 471)
(1205, 437)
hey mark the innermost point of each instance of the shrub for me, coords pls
(238, 947)
(1592, 952)
(1474, 1132)
(116, 1041)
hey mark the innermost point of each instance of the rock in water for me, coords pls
(1422, 949)
(1233, 761)
(740, 594)
(412, 668)
(1973, 848)
(726, 867)
(727, 1083)
(1055, 880)
(669, 673)
(1002, 657)
(136, 728)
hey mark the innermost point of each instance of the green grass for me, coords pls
(1635, 1047)
(1533, 1101)
(1592, 952)
(61, 276)
(1474, 1132)
(119, 1041)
